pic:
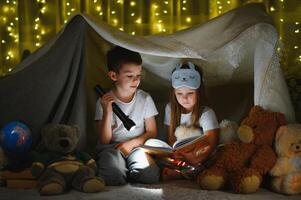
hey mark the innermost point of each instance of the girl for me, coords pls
(186, 107)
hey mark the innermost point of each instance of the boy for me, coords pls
(117, 156)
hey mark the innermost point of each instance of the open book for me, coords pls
(161, 148)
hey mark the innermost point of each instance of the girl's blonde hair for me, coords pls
(176, 108)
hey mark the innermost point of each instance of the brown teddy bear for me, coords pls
(287, 170)
(60, 166)
(241, 165)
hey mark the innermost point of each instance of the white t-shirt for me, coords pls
(207, 121)
(140, 108)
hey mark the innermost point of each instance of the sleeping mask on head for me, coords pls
(186, 77)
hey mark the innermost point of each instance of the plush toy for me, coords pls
(61, 167)
(227, 132)
(241, 165)
(287, 170)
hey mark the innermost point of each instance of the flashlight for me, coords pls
(127, 122)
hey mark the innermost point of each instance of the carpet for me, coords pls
(181, 190)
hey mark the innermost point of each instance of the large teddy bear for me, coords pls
(241, 165)
(61, 167)
(287, 170)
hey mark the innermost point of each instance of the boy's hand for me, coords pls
(127, 146)
(106, 102)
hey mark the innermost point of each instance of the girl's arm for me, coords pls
(199, 155)
(171, 139)
(104, 125)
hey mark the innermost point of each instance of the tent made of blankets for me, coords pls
(236, 51)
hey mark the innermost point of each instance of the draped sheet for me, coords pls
(236, 51)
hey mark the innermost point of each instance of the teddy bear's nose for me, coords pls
(64, 143)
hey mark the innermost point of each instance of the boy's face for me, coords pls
(128, 78)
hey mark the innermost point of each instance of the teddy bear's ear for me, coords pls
(77, 130)
(281, 119)
(255, 109)
(281, 130)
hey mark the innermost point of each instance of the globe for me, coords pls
(15, 138)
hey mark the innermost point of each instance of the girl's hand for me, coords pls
(106, 102)
(127, 146)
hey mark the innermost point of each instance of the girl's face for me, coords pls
(186, 97)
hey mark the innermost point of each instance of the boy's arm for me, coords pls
(150, 132)
(104, 125)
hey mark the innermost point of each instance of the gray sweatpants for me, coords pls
(116, 169)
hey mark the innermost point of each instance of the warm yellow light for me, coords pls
(121, 28)
(220, 7)
(43, 10)
(218, 2)
(115, 21)
(133, 3)
(14, 2)
(95, 1)
(120, 1)
(100, 13)
(72, 9)
(11, 23)
(155, 6)
(132, 14)
(67, 4)
(10, 69)
(166, 2)
(5, 9)
(296, 47)
(98, 8)
(9, 28)
(43, 1)
(113, 12)
(297, 31)
(4, 19)
(2, 41)
(281, 20)
(165, 11)
(188, 19)
(38, 44)
(133, 33)
(272, 9)
(68, 13)
(16, 18)
(164, 30)
(228, 2)
(7, 57)
(138, 21)
(281, 0)
(159, 21)
(183, 8)
(42, 32)
(157, 14)
(38, 36)
(65, 21)
(296, 23)
(184, 2)
(37, 19)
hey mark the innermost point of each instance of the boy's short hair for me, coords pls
(118, 56)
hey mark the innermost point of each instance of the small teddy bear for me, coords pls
(242, 165)
(287, 170)
(61, 167)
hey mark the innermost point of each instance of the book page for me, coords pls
(187, 141)
(157, 143)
